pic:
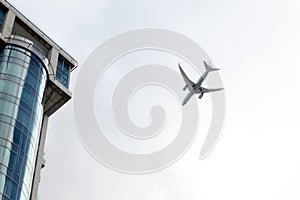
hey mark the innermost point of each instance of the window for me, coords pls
(62, 72)
(2, 16)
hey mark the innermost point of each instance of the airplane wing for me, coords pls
(187, 98)
(205, 90)
(188, 82)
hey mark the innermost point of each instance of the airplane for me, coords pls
(196, 88)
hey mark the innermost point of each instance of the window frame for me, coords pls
(61, 75)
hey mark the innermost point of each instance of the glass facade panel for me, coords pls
(22, 85)
(2, 17)
(63, 72)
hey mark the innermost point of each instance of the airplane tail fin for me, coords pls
(209, 67)
(205, 90)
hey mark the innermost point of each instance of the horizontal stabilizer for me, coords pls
(209, 67)
(205, 90)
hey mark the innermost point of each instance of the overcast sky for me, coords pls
(255, 43)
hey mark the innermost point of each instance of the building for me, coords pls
(34, 80)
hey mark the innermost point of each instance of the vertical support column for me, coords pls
(53, 58)
(8, 24)
(40, 162)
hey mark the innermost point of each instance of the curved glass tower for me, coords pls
(23, 77)
(34, 79)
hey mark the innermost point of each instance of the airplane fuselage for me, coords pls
(196, 88)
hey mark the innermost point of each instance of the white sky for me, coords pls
(257, 46)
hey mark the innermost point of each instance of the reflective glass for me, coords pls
(22, 86)
(9, 87)
(2, 16)
(62, 72)
(6, 107)
(4, 128)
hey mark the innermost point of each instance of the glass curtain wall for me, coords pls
(22, 86)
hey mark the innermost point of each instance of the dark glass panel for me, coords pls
(2, 17)
(22, 85)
